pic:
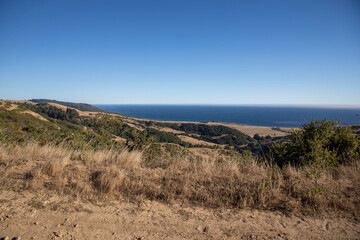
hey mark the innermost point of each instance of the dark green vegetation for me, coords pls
(52, 112)
(81, 106)
(211, 133)
(320, 143)
(356, 129)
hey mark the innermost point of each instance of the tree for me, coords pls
(257, 137)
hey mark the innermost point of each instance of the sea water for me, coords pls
(272, 116)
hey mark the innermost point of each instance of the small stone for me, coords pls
(36, 223)
(251, 236)
(206, 229)
(6, 238)
(327, 226)
(57, 234)
(76, 225)
(17, 238)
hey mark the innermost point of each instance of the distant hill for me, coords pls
(51, 121)
(80, 106)
(54, 123)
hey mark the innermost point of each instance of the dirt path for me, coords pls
(37, 217)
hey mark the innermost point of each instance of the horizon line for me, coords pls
(329, 106)
(342, 106)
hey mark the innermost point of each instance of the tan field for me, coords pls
(38, 116)
(166, 129)
(196, 141)
(252, 130)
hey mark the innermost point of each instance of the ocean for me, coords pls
(248, 115)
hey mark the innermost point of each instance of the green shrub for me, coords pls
(320, 143)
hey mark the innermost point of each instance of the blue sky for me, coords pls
(181, 52)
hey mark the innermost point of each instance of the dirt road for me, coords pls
(38, 217)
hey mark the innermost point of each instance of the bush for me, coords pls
(321, 143)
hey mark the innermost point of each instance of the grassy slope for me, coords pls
(80, 106)
(17, 125)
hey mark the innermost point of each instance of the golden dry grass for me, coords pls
(38, 116)
(196, 141)
(215, 183)
(260, 130)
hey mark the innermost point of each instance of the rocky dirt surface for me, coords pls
(29, 216)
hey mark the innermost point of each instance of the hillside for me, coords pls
(106, 128)
(69, 174)
(80, 106)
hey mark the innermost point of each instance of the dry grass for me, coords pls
(38, 116)
(236, 183)
(197, 141)
(252, 130)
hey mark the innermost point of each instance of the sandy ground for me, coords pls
(37, 217)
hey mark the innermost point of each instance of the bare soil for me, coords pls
(33, 216)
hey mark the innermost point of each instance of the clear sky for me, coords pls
(181, 51)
